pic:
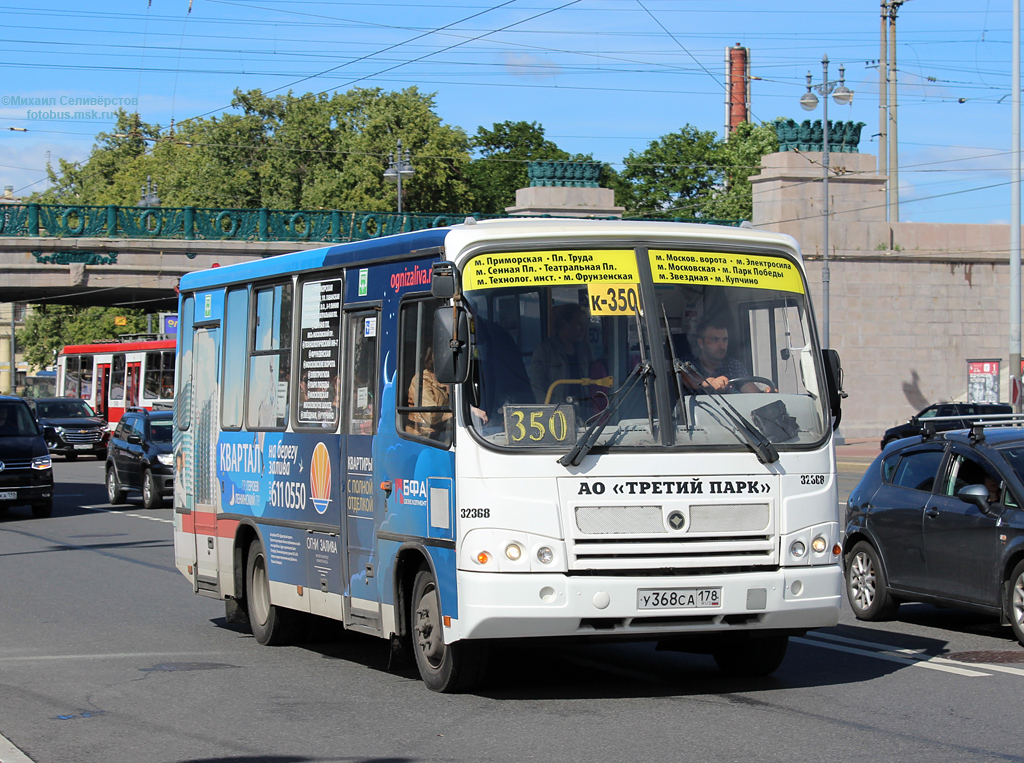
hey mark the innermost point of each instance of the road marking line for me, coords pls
(11, 754)
(109, 656)
(922, 655)
(101, 510)
(913, 663)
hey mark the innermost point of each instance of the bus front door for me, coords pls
(361, 509)
(204, 427)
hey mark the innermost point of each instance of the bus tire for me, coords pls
(43, 509)
(750, 657)
(115, 493)
(151, 498)
(446, 668)
(270, 624)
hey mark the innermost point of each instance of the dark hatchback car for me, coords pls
(953, 415)
(26, 474)
(940, 519)
(71, 428)
(140, 457)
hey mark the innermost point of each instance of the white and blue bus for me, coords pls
(509, 429)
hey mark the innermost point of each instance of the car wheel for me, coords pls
(70, 456)
(43, 509)
(751, 657)
(866, 587)
(1015, 605)
(448, 668)
(270, 624)
(115, 493)
(151, 498)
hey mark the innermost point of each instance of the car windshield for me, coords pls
(16, 420)
(625, 343)
(160, 430)
(64, 409)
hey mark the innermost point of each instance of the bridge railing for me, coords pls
(196, 223)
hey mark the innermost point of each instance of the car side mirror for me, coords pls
(976, 495)
(134, 439)
(451, 345)
(834, 384)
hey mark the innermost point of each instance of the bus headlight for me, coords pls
(797, 549)
(513, 551)
(819, 545)
(545, 555)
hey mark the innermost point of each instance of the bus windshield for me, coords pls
(649, 348)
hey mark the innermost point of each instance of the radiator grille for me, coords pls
(619, 520)
(729, 517)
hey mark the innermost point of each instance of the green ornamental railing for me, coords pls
(193, 223)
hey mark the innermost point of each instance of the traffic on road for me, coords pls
(107, 658)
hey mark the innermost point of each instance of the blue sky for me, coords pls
(601, 76)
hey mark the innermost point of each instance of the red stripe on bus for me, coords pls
(223, 528)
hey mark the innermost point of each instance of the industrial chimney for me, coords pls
(737, 87)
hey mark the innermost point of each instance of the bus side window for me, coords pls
(270, 358)
(151, 384)
(236, 324)
(362, 367)
(424, 405)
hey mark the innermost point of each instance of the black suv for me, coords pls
(940, 519)
(140, 457)
(943, 410)
(26, 474)
(70, 427)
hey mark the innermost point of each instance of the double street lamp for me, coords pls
(809, 101)
(399, 166)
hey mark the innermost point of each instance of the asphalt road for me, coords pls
(107, 656)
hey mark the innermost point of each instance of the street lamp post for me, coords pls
(809, 101)
(399, 166)
(149, 197)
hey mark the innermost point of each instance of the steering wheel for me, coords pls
(739, 381)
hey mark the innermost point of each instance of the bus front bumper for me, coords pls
(503, 605)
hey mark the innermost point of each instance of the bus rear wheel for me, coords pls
(446, 668)
(271, 625)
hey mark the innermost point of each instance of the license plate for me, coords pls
(83, 447)
(8, 495)
(678, 598)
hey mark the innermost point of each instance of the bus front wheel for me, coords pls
(447, 668)
(271, 625)
(751, 656)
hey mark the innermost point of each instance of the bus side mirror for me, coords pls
(444, 280)
(451, 345)
(834, 383)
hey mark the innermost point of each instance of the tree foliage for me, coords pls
(283, 152)
(48, 328)
(501, 167)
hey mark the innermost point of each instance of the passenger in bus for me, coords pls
(425, 391)
(563, 355)
(712, 361)
(503, 376)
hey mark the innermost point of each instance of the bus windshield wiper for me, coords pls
(761, 445)
(677, 366)
(587, 440)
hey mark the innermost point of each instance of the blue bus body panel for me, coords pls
(329, 256)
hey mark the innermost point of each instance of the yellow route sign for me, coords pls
(551, 268)
(725, 269)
